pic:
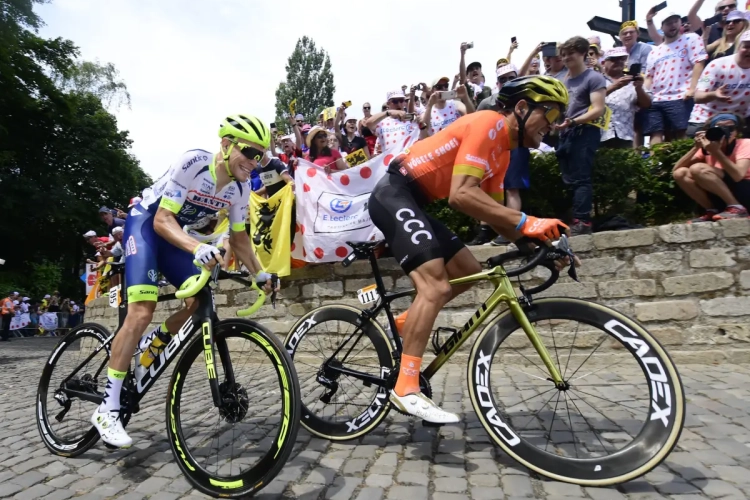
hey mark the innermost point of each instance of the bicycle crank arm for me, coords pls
(93, 397)
(364, 377)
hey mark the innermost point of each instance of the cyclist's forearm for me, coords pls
(167, 227)
(477, 204)
(240, 242)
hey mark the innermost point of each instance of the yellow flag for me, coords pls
(293, 107)
(355, 158)
(271, 233)
(603, 121)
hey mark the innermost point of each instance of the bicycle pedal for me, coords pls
(425, 423)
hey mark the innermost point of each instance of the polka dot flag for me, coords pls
(333, 209)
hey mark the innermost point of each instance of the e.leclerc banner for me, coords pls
(332, 209)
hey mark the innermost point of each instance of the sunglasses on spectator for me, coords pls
(365, 107)
(730, 6)
(397, 101)
(735, 21)
(441, 86)
(505, 79)
(248, 151)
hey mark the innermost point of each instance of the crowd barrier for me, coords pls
(48, 324)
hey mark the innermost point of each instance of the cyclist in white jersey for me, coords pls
(192, 191)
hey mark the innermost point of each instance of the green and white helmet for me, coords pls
(246, 127)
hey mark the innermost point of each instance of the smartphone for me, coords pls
(273, 125)
(470, 45)
(409, 117)
(549, 49)
(714, 134)
(661, 6)
(347, 104)
(712, 20)
(512, 39)
(447, 94)
(635, 69)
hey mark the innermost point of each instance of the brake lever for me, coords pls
(275, 285)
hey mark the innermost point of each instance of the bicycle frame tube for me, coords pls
(504, 292)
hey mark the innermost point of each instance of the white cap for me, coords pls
(505, 69)
(289, 137)
(616, 52)
(25, 299)
(299, 117)
(47, 296)
(595, 39)
(134, 201)
(735, 15)
(72, 302)
(89, 234)
(14, 293)
(395, 94)
(15, 302)
(671, 15)
(117, 229)
(745, 36)
(352, 117)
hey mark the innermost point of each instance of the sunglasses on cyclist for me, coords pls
(248, 151)
(551, 113)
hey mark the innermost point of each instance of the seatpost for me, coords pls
(376, 271)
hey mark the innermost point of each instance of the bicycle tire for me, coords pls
(380, 405)
(647, 450)
(257, 477)
(55, 444)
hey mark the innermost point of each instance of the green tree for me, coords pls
(61, 157)
(309, 79)
(102, 80)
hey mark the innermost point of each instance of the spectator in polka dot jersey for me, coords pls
(724, 87)
(390, 123)
(674, 68)
(440, 112)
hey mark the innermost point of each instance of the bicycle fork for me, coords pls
(517, 310)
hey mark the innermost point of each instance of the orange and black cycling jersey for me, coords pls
(477, 144)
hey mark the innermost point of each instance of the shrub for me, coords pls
(635, 184)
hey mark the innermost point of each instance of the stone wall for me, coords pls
(689, 284)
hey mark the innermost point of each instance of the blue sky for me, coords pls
(188, 63)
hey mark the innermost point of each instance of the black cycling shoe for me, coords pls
(500, 241)
(484, 236)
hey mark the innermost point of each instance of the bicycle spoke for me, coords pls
(587, 421)
(534, 396)
(609, 401)
(589, 356)
(552, 422)
(554, 344)
(570, 352)
(572, 433)
(531, 419)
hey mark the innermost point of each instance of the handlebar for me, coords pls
(197, 286)
(257, 304)
(543, 255)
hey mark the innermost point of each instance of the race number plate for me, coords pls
(368, 294)
(114, 296)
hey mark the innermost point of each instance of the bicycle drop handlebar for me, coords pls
(205, 276)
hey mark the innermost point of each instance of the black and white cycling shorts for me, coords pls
(413, 236)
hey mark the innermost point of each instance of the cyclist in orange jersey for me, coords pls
(464, 163)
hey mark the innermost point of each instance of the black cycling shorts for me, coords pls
(413, 236)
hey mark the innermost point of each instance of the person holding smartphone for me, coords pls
(441, 112)
(715, 173)
(391, 123)
(625, 96)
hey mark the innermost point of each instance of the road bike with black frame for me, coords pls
(523, 395)
(250, 391)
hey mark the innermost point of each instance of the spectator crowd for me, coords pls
(51, 315)
(691, 80)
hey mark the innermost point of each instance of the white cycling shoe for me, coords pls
(110, 428)
(423, 407)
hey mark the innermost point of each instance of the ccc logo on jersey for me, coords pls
(411, 221)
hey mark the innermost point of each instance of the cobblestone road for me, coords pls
(400, 460)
